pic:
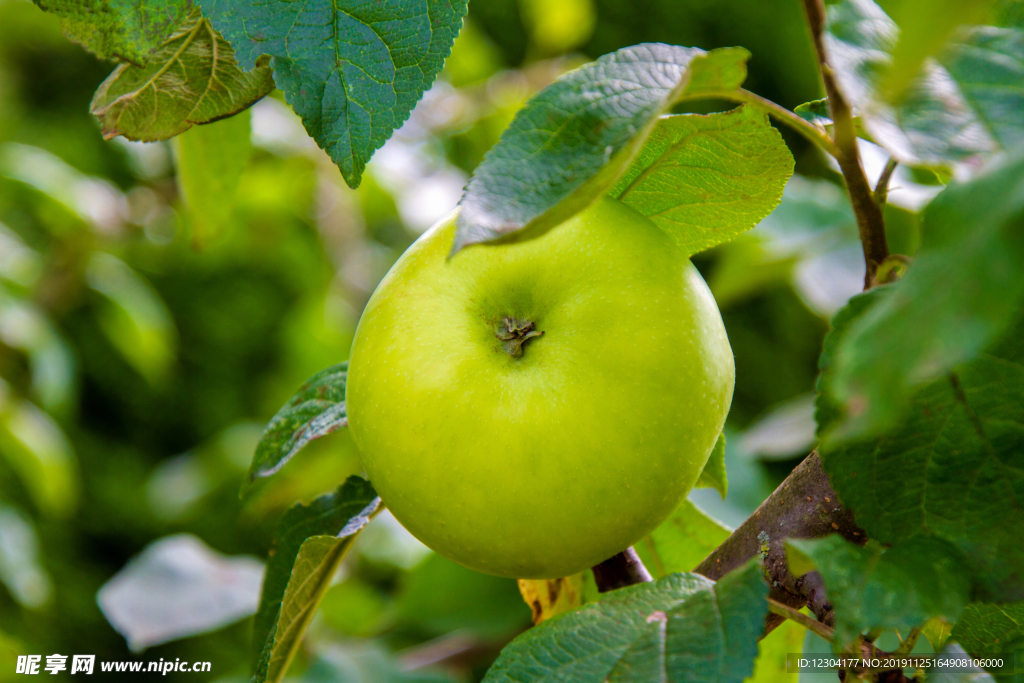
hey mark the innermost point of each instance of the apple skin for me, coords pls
(542, 465)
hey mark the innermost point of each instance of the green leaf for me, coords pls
(316, 410)
(713, 474)
(960, 293)
(211, 160)
(706, 179)
(352, 70)
(192, 78)
(770, 666)
(340, 516)
(681, 627)
(816, 112)
(367, 662)
(682, 541)
(987, 629)
(119, 29)
(966, 104)
(897, 588)
(937, 631)
(315, 566)
(571, 141)
(135, 319)
(920, 40)
(951, 468)
(440, 596)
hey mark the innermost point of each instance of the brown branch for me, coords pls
(804, 506)
(624, 569)
(870, 224)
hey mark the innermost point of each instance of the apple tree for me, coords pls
(905, 518)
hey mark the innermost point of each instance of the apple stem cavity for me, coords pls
(514, 334)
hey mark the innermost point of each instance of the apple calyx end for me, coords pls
(514, 334)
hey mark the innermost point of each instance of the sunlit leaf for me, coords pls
(713, 475)
(572, 141)
(682, 541)
(192, 78)
(706, 179)
(900, 588)
(772, 650)
(353, 71)
(337, 517)
(119, 29)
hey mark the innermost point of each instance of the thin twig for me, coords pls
(802, 126)
(776, 607)
(882, 186)
(908, 645)
(870, 224)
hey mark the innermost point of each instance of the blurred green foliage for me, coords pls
(143, 344)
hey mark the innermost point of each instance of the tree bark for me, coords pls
(804, 506)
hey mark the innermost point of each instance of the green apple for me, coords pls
(531, 409)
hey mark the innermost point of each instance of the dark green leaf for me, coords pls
(119, 29)
(340, 515)
(192, 78)
(353, 71)
(952, 468)
(713, 474)
(986, 629)
(571, 142)
(899, 588)
(316, 410)
(967, 103)
(960, 293)
(682, 541)
(706, 179)
(680, 627)
(210, 162)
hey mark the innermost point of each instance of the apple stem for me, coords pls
(619, 571)
(515, 333)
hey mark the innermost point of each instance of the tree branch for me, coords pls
(804, 506)
(869, 215)
(624, 569)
